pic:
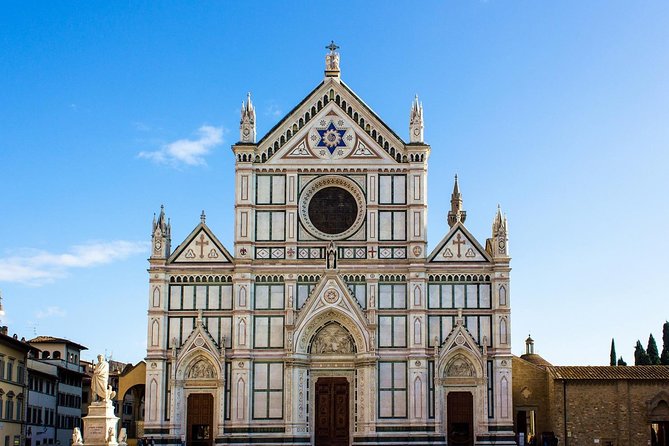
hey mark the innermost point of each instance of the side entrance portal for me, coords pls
(200, 419)
(460, 416)
(332, 412)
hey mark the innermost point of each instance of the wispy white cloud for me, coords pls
(273, 110)
(50, 312)
(191, 152)
(141, 126)
(37, 267)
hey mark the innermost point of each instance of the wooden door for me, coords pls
(332, 413)
(200, 419)
(460, 418)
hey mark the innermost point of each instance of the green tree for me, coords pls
(640, 355)
(651, 350)
(664, 358)
(621, 361)
(613, 352)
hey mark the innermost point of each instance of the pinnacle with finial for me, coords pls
(203, 217)
(456, 214)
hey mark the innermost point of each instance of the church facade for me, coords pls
(329, 322)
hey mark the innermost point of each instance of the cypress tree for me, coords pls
(621, 361)
(613, 352)
(640, 355)
(664, 358)
(653, 355)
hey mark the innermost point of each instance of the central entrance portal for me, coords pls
(460, 416)
(332, 414)
(200, 419)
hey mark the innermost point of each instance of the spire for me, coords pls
(160, 223)
(332, 61)
(499, 224)
(456, 214)
(247, 123)
(416, 122)
(160, 238)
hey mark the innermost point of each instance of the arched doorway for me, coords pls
(460, 418)
(132, 411)
(331, 346)
(658, 415)
(200, 419)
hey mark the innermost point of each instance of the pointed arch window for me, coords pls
(154, 333)
(418, 397)
(502, 296)
(417, 296)
(240, 399)
(156, 297)
(503, 331)
(417, 332)
(504, 397)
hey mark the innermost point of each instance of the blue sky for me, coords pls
(558, 111)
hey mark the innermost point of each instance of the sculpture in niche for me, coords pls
(201, 369)
(460, 366)
(333, 339)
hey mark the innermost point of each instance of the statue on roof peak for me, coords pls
(332, 61)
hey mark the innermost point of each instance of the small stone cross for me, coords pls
(202, 244)
(459, 242)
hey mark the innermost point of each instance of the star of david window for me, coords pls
(331, 138)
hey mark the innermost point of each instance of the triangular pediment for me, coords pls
(201, 246)
(201, 339)
(331, 301)
(332, 124)
(459, 246)
(460, 337)
(460, 356)
(199, 347)
(331, 292)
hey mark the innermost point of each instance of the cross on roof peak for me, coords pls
(332, 46)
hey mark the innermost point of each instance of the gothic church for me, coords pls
(330, 322)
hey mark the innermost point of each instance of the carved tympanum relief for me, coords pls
(332, 339)
(459, 366)
(202, 369)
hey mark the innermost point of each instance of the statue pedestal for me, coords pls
(97, 423)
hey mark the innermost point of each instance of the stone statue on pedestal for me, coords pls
(100, 423)
(100, 379)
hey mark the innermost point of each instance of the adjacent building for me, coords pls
(13, 390)
(42, 401)
(585, 405)
(64, 355)
(329, 322)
